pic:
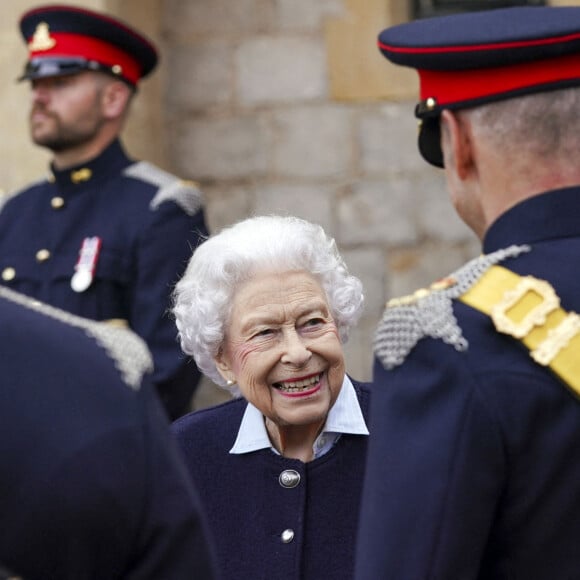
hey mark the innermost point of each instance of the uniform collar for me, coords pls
(550, 215)
(112, 160)
(345, 417)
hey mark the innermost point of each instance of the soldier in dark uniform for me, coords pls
(104, 237)
(474, 451)
(92, 485)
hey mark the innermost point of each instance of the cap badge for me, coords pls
(41, 40)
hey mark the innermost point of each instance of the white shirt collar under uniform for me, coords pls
(345, 416)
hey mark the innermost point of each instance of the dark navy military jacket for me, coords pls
(147, 223)
(474, 454)
(92, 485)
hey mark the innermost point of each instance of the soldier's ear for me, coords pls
(456, 143)
(115, 98)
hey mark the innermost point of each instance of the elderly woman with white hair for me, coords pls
(264, 309)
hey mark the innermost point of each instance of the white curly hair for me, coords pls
(202, 298)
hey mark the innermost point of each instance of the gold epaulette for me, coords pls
(528, 309)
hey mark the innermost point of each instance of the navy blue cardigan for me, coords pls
(248, 509)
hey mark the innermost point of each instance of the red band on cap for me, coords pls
(92, 49)
(449, 87)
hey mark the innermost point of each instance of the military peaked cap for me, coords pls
(65, 40)
(469, 59)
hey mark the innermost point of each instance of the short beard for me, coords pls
(65, 139)
(70, 135)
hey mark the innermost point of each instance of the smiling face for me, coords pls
(282, 348)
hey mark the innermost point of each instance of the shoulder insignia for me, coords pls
(125, 348)
(528, 309)
(186, 194)
(429, 311)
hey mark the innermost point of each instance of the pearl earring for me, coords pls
(230, 383)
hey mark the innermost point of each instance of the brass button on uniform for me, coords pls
(287, 536)
(42, 255)
(57, 202)
(8, 274)
(430, 103)
(289, 478)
